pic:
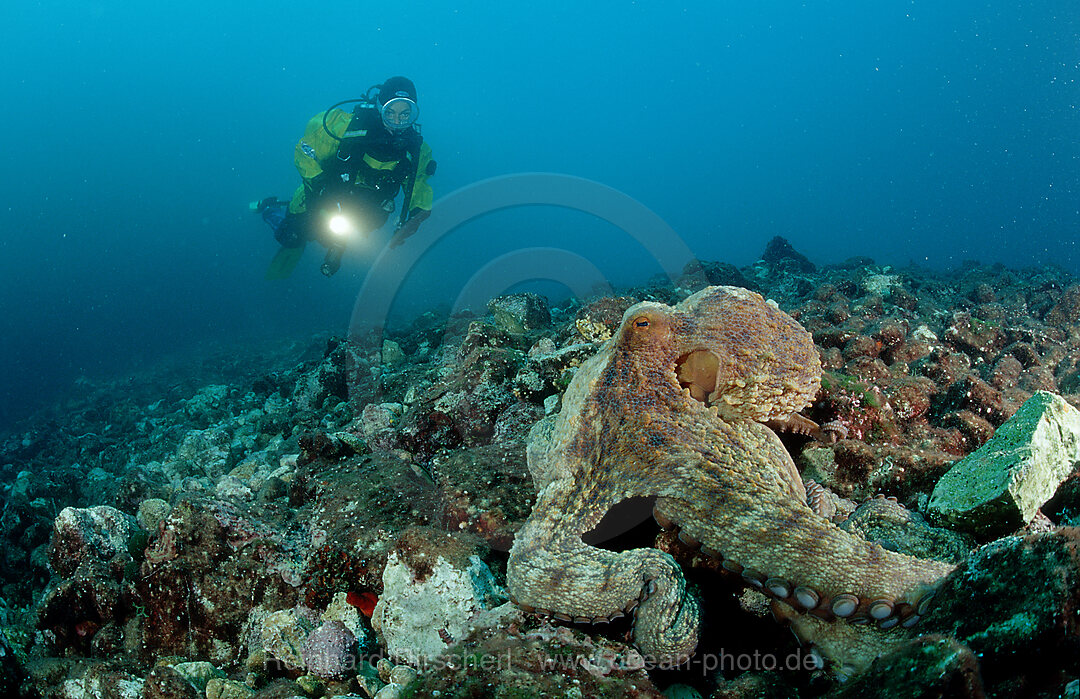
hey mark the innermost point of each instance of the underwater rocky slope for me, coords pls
(336, 518)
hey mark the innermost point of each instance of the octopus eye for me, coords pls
(642, 322)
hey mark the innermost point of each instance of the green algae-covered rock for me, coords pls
(198, 673)
(218, 688)
(1000, 486)
(923, 667)
(1013, 603)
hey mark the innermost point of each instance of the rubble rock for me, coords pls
(898, 529)
(1014, 602)
(927, 666)
(430, 601)
(1000, 486)
(520, 313)
(779, 249)
(597, 321)
(329, 651)
(88, 537)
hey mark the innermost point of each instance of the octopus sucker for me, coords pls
(881, 609)
(807, 597)
(753, 578)
(844, 605)
(779, 587)
(709, 376)
(712, 553)
(688, 539)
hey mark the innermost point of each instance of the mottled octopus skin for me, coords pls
(629, 429)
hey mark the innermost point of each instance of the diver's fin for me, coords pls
(284, 262)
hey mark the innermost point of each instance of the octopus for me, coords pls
(679, 407)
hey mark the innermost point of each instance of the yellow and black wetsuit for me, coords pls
(368, 163)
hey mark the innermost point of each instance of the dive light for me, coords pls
(340, 225)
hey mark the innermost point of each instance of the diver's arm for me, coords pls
(422, 193)
(316, 147)
(417, 217)
(419, 204)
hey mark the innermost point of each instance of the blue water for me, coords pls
(136, 135)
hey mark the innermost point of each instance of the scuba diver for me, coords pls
(353, 164)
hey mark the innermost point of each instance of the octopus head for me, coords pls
(730, 348)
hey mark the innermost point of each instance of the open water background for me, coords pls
(135, 134)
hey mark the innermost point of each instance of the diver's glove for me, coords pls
(416, 217)
(332, 263)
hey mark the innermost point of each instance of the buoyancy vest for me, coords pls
(370, 157)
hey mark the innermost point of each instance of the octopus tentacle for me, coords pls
(561, 576)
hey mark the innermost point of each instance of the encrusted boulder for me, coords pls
(780, 250)
(207, 567)
(376, 424)
(486, 491)
(433, 590)
(392, 353)
(926, 666)
(520, 656)
(358, 507)
(86, 679)
(598, 320)
(1014, 604)
(520, 313)
(343, 374)
(550, 372)
(276, 639)
(1067, 308)
(88, 537)
(198, 673)
(697, 275)
(462, 407)
(89, 552)
(228, 689)
(208, 405)
(165, 682)
(1001, 486)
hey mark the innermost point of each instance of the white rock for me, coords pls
(419, 618)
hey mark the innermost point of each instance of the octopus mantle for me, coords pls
(673, 407)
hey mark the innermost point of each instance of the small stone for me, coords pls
(151, 512)
(329, 651)
(311, 685)
(392, 353)
(367, 677)
(403, 675)
(390, 691)
(282, 634)
(88, 536)
(385, 667)
(519, 313)
(339, 609)
(198, 673)
(218, 688)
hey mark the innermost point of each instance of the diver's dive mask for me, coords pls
(399, 113)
